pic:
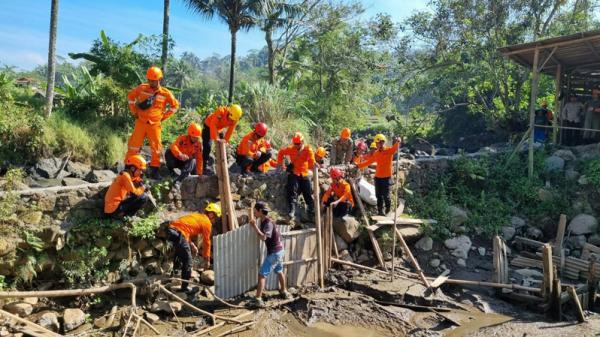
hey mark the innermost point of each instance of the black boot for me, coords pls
(292, 212)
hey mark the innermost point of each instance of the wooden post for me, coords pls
(577, 304)
(557, 107)
(548, 271)
(219, 170)
(412, 258)
(555, 300)
(535, 78)
(395, 218)
(560, 234)
(226, 202)
(318, 225)
(592, 283)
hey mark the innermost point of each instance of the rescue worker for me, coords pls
(339, 194)
(268, 232)
(264, 168)
(214, 124)
(341, 149)
(360, 152)
(127, 194)
(383, 156)
(320, 155)
(249, 155)
(302, 160)
(182, 233)
(186, 153)
(148, 102)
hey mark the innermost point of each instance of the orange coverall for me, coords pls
(303, 160)
(341, 190)
(148, 121)
(195, 224)
(219, 120)
(183, 145)
(118, 190)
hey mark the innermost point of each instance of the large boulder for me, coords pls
(97, 176)
(69, 181)
(458, 215)
(21, 308)
(78, 170)
(49, 320)
(49, 167)
(425, 244)
(166, 306)
(571, 174)
(508, 232)
(517, 222)
(554, 163)
(576, 242)
(73, 318)
(207, 277)
(566, 155)
(459, 246)
(346, 228)
(583, 224)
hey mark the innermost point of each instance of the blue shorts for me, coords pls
(272, 262)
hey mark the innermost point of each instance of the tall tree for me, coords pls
(238, 15)
(51, 57)
(281, 15)
(165, 36)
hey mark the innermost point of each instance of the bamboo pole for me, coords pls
(535, 78)
(231, 219)
(395, 217)
(220, 324)
(412, 258)
(548, 271)
(578, 309)
(39, 330)
(317, 202)
(72, 292)
(220, 182)
(557, 107)
(193, 307)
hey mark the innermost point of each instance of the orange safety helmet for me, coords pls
(335, 173)
(345, 134)
(154, 73)
(137, 161)
(297, 138)
(194, 130)
(260, 129)
(321, 152)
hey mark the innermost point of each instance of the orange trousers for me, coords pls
(142, 130)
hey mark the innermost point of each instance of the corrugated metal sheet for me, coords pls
(238, 254)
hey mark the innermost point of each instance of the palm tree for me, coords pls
(165, 37)
(238, 14)
(280, 15)
(51, 57)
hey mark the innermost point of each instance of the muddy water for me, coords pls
(473, 321)
(329, 330)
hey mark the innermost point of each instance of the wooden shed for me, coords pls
(573, 60)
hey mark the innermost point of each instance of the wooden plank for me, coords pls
(548, 271)
(412, 258)
(529, 242)
(588, 249)
(221, 185)
(555, 300)
(439, 281)
(318, 225)
(577, 304)
(560, 234)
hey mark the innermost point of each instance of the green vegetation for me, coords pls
(492, 189)
(592, 171)
(145, 227)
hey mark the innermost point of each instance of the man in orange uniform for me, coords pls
(359, 155)
(341, 148)
(302, 159)
(181, 233)
(148, 102)
(340, 192)
(264, 168)
(126, 195)
(186, 153)
(320, 155)
(223, 117)
(383, 156)
(249, 155)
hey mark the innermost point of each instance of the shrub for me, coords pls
(592, 171)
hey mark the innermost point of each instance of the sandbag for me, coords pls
(366, 191)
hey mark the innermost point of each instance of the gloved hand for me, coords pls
(184, 157)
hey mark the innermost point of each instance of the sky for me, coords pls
(24, 27)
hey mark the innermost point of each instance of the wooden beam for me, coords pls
(548, 271)
(552, 45)
(592, 49)
(547, 58)
(535, 78)
(412, 258)
(318, 225)
(560, 234)
(557, 107)
(577, 304)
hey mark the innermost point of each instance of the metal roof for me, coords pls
(577, 53)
